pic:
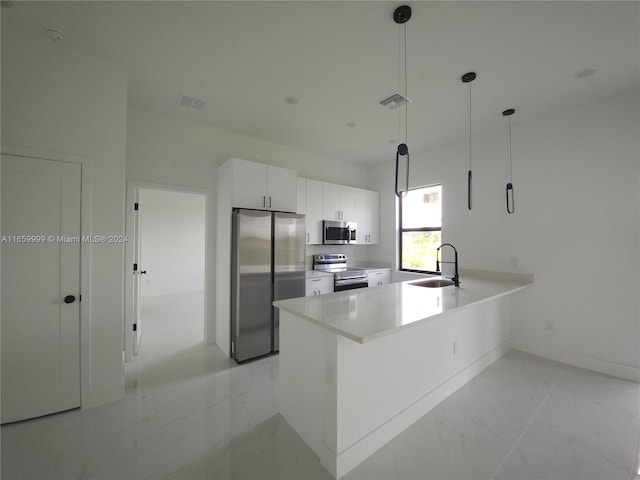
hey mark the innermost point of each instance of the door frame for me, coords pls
(133, 186)
(86, 167)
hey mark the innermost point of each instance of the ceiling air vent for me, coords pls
(394, 101)
(191, 102)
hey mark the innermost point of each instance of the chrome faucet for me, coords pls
(456, 278)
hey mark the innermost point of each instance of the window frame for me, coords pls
(419, 229)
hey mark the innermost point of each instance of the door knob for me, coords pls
(69, 299)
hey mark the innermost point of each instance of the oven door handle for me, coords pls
(351, 281)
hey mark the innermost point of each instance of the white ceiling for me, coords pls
(340, 58)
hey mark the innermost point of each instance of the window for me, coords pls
(420, 228)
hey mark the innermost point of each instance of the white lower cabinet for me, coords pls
(379, 277)
(319, 285)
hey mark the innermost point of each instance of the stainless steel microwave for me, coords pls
(338, 233)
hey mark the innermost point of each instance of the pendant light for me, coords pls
(468, 78)
(401, 16)
(509, 190)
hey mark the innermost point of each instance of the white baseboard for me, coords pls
(95, 398)
(353, 456)
(626, 372)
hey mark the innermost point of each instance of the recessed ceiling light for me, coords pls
(291, 100)
(351, 124)
(585, 72)
(55, 35)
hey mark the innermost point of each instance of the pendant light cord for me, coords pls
(469, 126)
(406, 94)
(470, 77)
(401, 15)
(510, 174)
(509, 190)
(402, 73)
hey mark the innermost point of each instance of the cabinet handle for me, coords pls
(316, 279)
(307, 237)
(264, 201)
(269, 202)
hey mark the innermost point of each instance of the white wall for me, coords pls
(576, 226)
(172, 228)
(55, 99)
(171, 151)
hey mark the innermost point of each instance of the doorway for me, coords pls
(168, 279)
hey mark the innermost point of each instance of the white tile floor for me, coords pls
(190, 413)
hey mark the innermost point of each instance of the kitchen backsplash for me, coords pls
(354, 253)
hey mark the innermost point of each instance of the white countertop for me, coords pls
(368, 313)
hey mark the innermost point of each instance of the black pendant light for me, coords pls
(401, 16)
(509, 190)
(468, 78)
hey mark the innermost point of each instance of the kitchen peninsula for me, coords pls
(358, 367)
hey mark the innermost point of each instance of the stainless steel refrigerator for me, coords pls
(267, 263)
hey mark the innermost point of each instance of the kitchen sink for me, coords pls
(435, 283)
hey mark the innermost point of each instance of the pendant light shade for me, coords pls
(401, 16)
(509, 190)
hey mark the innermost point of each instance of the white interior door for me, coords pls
(40, 287)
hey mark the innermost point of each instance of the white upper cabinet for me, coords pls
(338, 202)
(366, 216)
(282, 189)
(328, 201)
(249, 184)
(263, 187)
(313, 198)
(301, 204)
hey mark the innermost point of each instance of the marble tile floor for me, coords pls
(190, 413)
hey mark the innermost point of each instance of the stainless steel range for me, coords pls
(345, 278)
